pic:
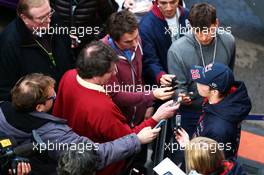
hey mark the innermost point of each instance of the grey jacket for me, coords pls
(185, 52)
(56, 131)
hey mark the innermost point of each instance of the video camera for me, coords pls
(10, 154)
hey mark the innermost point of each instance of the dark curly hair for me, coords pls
(202, 15)
(120, 23)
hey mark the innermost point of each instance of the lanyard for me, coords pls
(51, 57)
(201, 51)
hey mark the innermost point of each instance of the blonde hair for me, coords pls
(203, 155)
(23, 6)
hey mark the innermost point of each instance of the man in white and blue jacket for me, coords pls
(161, 26)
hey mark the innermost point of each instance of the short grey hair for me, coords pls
(74, 162)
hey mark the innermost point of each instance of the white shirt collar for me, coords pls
(89, 85)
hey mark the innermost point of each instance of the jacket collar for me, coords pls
(46, 116)
(156, 11)
(27, 37)
(120, 56)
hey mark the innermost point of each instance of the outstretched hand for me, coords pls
(182, 137)
(165, 111)
(147, 135)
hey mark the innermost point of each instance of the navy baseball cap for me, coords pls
(217, 76)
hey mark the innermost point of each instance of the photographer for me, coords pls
(10, 161)
(32, 97)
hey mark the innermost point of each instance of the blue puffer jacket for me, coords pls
(222, 121)
(156, 41)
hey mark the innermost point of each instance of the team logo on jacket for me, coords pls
(195, 74)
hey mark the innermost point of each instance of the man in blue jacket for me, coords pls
(226, 105)
(158, 29)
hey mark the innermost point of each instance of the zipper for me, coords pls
(133, 73)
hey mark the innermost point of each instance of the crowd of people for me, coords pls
(101, 93)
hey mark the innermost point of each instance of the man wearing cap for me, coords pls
(226, 105)
(206, 43)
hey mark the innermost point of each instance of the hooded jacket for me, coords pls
(222, 121)
(185, 52)
(133, 102)
(54, 131)
(156, 41)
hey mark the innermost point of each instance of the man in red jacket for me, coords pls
(83, 101)
(126, 87)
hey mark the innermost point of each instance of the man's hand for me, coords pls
(165, 111)
(74, 41)
(22, 169)
(163, 93)
(186, 99)
(182, 137)
(147, 135)
(149, 112)
(165, 79)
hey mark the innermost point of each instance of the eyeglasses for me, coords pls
(43, 19)
(52, 97)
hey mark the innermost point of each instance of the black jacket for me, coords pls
(92, 13)
(21, 55)
(222, 121)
